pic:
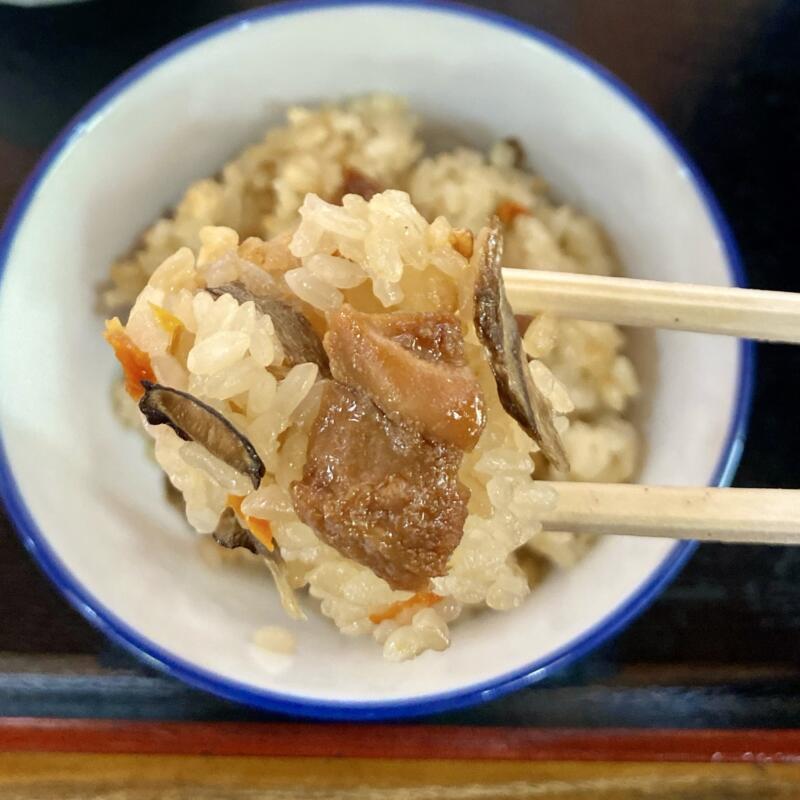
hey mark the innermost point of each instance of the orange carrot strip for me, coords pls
(135, 362)
(260, 528)
(424, 599)
(235, 502)
(461, 241)
(509, 210)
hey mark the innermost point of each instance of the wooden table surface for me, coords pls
(721, 647)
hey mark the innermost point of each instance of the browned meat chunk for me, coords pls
(412, 367)
(379, 493)
(499, 333)
(431, 336)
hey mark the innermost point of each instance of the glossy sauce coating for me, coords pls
(411, 365)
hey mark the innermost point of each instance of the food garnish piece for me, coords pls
(260, 528)
(420, 600)
(462, 241)
(498, 331)
(195, 421)
(170, 324)
(411, 365)
(166, 320)
(380, 493)
(231, 534)
(280, 574)
(300, 342)
(135, 362)
(509, 210)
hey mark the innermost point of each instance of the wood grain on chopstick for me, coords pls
(746, 313)
(762, 516)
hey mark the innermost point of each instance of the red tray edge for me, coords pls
(292, 740)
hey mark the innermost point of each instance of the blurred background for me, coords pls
(721, 647)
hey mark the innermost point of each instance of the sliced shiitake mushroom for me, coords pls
(229, 533)
(498, 331)
(300, 341)
(195, 421)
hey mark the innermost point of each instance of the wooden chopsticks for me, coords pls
(763, 516)
(746, 313)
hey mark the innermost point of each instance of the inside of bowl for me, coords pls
(99, 518)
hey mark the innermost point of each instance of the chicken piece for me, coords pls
(412, 367)
(432, 336)
(380, 493)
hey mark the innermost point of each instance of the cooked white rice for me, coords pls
(393, 252)
(275, 639)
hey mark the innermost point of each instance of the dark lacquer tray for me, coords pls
(721, 647)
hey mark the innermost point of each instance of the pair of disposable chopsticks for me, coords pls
(767, 516)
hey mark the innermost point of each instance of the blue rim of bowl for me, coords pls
(154, 655)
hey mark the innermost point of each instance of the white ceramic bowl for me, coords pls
(89, 503)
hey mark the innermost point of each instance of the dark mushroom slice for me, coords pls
(498, 331)
(195, 421)
(231, 534)
(300, 341)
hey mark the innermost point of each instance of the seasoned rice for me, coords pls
(271, 210)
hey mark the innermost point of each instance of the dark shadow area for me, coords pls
(52, 60)
(733, 603)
